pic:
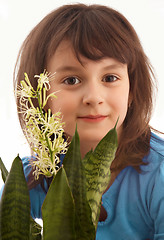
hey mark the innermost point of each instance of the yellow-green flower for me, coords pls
(25, 89)
(43, 80)
(44, 130)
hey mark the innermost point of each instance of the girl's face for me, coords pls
(92, 95)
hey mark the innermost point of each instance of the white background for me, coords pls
(18, 17)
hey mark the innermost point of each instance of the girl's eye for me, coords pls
(110, 78)
(71, 81)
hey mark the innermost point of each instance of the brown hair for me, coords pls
(97, 31)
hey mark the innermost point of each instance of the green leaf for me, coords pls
(76, 176)
(58, 210)
(4, 171)
(97, 171)
(15, 205)
(35, 228)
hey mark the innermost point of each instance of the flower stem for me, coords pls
(42, 115)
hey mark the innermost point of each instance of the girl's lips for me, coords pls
(92, 118)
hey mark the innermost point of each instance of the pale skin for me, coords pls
(92, 95)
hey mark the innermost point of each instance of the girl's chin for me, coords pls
(86, 139)
(95, 137)
(91, 138)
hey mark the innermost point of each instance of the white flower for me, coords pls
(43, 130)
(43, 81)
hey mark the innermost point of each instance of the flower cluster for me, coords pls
(44, 130)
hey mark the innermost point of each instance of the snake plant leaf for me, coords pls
(58, 210)
(4, 171)
(15, 205)
(76, 176)
(97, 170)
(35, 228)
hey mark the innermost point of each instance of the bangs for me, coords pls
(95, 32)
(95, 36)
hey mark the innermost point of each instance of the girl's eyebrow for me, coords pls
(114, 66)
(67, 68)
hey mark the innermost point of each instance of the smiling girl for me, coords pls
(102, 73)
(92, 94)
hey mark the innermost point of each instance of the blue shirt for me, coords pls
(134, 203)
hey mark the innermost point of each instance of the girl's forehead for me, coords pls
(64, 45)
(67, 51)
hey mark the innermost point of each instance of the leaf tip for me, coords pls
(116, 123)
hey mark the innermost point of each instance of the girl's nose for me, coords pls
(93, 95)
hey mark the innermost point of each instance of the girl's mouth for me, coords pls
(93, 118)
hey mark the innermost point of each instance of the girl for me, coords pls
(102, 73)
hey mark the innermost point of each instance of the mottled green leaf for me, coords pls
(35, 228)
(97, 170)
(15, 205)
(58, 210)
(4, 171)
(76, 176)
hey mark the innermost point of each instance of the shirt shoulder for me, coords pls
(157, 144)
(154, 186)
(155, 158)
(152, 175)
